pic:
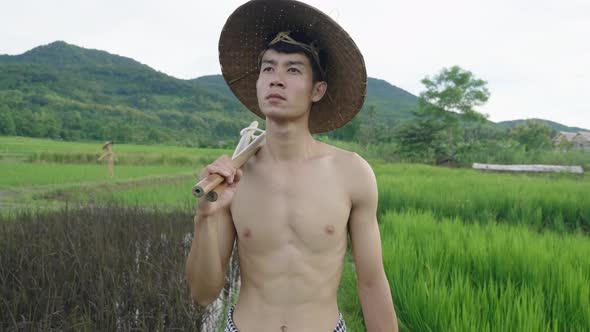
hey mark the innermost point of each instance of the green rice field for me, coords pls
(46, 174)
(446, 275)
(462, 250)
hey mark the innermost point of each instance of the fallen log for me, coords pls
(530, 168)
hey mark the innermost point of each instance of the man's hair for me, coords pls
(288, 48)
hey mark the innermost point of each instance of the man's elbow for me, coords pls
(202, 299)
(372, 281)
(366, 281)
(364, 289)
(202, 294)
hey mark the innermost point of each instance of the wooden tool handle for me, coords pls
(213, 195)
(207, 184)
(211, 182)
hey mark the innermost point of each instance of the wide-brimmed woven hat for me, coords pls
(245, 35)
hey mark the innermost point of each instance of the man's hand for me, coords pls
(223, 167)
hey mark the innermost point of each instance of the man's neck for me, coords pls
(288, 142)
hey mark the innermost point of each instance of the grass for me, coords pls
(446, 275)
(165, 196)
(43, 173)
(96, 268)
(48, 186)
(555, 202)
(32, 174)
(43, 150)
(16, 145)
(463, 250)
(115, 267)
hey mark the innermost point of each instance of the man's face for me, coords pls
(285, 87)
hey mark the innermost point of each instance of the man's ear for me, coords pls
(319, 90)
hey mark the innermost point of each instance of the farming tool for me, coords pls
(212, 186)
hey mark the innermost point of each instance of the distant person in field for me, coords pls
(292, 206)
(108, 152)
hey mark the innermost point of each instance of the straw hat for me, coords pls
(245, 35)
(107, 144)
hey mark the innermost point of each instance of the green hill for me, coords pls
(63, 91)
(67, 92)
(392, 105)
(554, 125)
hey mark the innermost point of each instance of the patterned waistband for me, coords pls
(231, 327)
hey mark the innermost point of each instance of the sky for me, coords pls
(534, 54)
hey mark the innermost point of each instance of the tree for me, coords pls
(416, 139)
(437, 134)
(349, 131)
(71, 126)
(456, 90)
(533, 135)
(25, 123)
(565, 145)
(7, 126)
(46, 125)
(372, 130)
(433, 135)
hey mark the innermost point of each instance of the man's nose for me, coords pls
(277, 81)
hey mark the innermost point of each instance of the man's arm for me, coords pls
(213, 239)
(372, 284)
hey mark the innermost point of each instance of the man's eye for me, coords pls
(294, 70)
(267, 69)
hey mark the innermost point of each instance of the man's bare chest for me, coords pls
(308, 208)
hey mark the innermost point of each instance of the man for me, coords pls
(293, 205)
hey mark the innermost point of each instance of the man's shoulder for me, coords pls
(351, 163)
(356, 176)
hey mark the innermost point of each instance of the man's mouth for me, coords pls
(275, 96)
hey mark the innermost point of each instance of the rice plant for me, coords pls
(554, 202)
(448, 276)
(101, 268)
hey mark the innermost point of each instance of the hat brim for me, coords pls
(244, 36)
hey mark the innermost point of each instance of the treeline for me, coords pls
(135, 105)
(122, 125)
(114, 103)
(509, 146)
(62, 91)
(446, 129)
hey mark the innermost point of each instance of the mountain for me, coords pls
(391, 104)
(63, 91)
(554, 125)
(214, 83)
(60, 54)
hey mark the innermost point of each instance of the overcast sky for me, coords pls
(534, 54)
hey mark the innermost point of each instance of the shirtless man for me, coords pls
(291, 209)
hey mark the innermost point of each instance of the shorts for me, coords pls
(230, 327)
